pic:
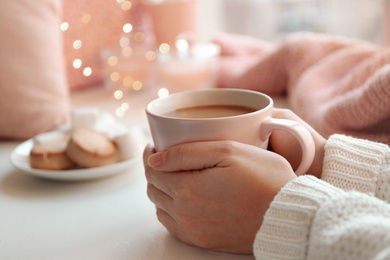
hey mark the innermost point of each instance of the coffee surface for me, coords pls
(210, 111)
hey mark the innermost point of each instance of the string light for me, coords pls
(150, 55)
(127, 28)
(118, 94)
(64, 26)
(77, 44)
(128, 81)
(119, 112)
(77, 63)
(163, 92)
(182, 45)
(124, 42)
(126, 5)
(127, 51)
(164, 48)
(87, 71)
(125, 106)
(112, 61)
(114, 76)
(121, 79)
(137, 85)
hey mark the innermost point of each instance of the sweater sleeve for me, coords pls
(311, 219)
(338, 218)
(359, 165)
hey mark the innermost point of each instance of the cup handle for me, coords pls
(299, 131)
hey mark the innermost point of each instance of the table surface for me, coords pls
(109, 218)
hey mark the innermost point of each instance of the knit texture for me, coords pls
(286, 225)
(353, 164)
(337, 85)
(312, 219)
(383, 184)
(351, 227)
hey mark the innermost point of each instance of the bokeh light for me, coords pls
(77, 63)
(118, 94)
(112, 61)
(77, 44)
(127, 28)
(87, 71)
(163, 92)
(64, 26)
(126, 5)
(137, 85)
(114, 76)
(164, 48)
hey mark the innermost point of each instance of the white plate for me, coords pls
(20, 160)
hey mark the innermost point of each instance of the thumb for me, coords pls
(188, 157)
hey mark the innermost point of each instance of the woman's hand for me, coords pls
(214, 194)
(285, 144)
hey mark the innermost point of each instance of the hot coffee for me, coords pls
(210, 111)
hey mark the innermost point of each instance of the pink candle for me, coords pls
(170, 18)
(179, 75)
(196, 69)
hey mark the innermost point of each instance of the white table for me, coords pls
(110, 218)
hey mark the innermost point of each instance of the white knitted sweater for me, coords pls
(346, 215)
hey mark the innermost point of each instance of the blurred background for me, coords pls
(132, 44)
(271, 19)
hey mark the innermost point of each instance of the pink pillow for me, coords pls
(34, 94)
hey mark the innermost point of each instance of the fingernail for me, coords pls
(156, 160)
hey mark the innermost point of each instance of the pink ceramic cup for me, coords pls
(251, 128)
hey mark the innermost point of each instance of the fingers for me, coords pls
(171, 225)
(320, 141)
(172, 171)
(191, 156)
(159, 198)
(151, 174)
(288, 114)
(166, 219)
(284, 113)
(148, 151)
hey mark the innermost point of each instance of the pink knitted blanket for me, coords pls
(337, 85)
